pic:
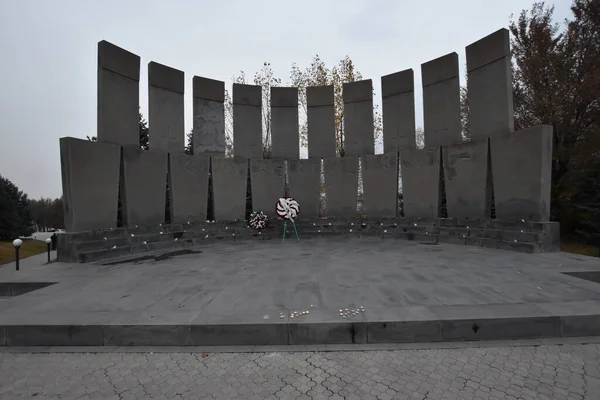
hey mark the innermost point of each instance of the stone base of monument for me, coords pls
(304, 293)
(100, 245)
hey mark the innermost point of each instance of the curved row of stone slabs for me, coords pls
(517, 162)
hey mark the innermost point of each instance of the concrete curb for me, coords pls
(284, 333)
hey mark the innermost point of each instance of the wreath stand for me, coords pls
(285, 228)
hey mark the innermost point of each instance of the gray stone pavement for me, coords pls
(254, 283)
(502, 371)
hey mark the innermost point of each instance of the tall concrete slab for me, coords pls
(420, 170)
(118, 95)
(208, 136)
(358, 118)
(398, 93)
(230, 180)
(188, 186)
(144, 186)
(380, 185)
(285, 134)
(165, 108)
(465, 175)
(90, 183)
(321, 121)
(490, 85)
(247, 121)
(341, 186)
(304, 183)
(522, 173)
(267, 178)
(441, 101)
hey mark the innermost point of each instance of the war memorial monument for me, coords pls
(376, 277)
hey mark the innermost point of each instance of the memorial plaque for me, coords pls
(268, 184)
(341, 186)
(304, 182)
(165, 108)
(321, 121)
(247, 121)
(209, 117)
(441, 101)
(188, 183)
(398, 93)
(144, 186)
(358, 118)
(118, 95)
(285, 136)
(230, 180)
(522, 174)
(465, 174)
(90, 183)
(420, 171)
(380, 184)
(490, 85)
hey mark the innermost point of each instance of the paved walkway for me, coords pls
(557, 372)
(26, 265)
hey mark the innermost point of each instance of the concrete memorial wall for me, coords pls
(268, 184)
(321, 121)
(517, 166)
(165, 108)
(285, 139)
(380, 181)
(143, 186)
(341, 186)
(522, 168)
(230, 180)
(208, 137)
(465, 175)
(304, 185)
(420, 171)
(118, 95)
(247, 121)
(90, 184)
(358, 118)
(188, 186)
(398, 98)
(490, 85)
(441, 101)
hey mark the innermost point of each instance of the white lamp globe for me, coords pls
(17, 242)
(48, 240)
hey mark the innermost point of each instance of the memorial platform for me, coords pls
(244, 293)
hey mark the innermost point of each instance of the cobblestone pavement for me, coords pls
(532, 372)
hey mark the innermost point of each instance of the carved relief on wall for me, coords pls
(209, 127)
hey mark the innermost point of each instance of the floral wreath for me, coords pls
(258, 220)
(287, 208)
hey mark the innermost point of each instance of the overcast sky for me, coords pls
(48, 54)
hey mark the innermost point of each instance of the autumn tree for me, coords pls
(557, 82)
(318, 74)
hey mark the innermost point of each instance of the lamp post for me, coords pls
(17, 245)
(49, 244)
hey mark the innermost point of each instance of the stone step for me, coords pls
(189, 239)
(104, 254)
(321, 327)
(128, 241)
(333, 222)
(506, 235)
